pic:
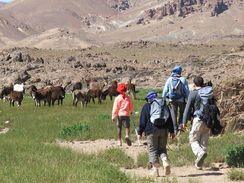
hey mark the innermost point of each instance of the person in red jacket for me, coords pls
(122, 109)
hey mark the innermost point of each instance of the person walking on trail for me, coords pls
(199, 134)
(176, 91)
(156, 123)
(122, 109)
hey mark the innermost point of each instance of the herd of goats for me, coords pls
(50, 94)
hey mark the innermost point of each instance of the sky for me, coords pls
(5, 1)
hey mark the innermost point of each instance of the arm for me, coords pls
(186, 88)
(189, 106)
(144, 117)
(115, 109)
(166, 88)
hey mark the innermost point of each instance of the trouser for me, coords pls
(157, 145)
(199, 136)
(175, 109)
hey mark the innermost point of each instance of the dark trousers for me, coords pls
(177, 108)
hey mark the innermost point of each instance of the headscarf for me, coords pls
(151, 95)
(121, 88)
(176, 71)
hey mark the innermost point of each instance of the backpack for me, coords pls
(176, 90)
(158, 113)
(207, 109)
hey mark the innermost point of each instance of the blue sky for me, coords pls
(6, 1)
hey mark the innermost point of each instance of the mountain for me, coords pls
(2, 4)
(49, 14)
(42, 24)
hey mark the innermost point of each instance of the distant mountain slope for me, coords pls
(81, 23)
(47, 14)
(2, 4)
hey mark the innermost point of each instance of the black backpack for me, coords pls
(207, 109)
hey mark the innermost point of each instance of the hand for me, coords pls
(113, 120)
(172, 135)
(183, 126)
(139, 137)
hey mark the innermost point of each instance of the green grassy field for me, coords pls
(28, 152)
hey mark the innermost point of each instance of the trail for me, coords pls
(182, 174)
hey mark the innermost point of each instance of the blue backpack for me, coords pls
(206, 108)
(159, 113)
(176, 90)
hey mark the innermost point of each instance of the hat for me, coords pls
(151, 95)
(177, 70)
(121, 88)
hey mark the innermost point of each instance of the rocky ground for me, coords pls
(149, 64)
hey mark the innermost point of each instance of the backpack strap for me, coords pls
(171, 83)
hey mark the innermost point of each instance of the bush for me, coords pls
(75, 130)
(236, 175)
(234, 155)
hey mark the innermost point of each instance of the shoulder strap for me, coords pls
(171, 83)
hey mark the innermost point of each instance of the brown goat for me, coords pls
(80, 96)
(15, 96)
(58, 93)
(42, 94)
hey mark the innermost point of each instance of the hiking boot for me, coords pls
(166, 167)
(128, 141)
(154, 172)
(199, 161)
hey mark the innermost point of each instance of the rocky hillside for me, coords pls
(2, 4)
(109, 21)
(182, 8)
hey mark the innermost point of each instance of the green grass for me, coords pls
(28, 152)
(236, 175)
(117, 157)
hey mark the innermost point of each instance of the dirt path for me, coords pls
(182, 174)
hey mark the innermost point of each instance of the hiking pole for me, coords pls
(137, 135)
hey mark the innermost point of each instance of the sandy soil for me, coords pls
(182, 174)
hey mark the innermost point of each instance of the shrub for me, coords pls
(236, 175)
(75, 130)
(234, 155)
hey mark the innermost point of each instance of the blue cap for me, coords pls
(177, 70)
(151, 95)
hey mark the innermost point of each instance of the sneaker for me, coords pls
(166, 167)
(198, 167)
(154, 172)
(199, 161)
(128, 141)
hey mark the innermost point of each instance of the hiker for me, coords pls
(199, 101)
(156, 123)
(122, 109)
(176, 91)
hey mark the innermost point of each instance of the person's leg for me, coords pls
(163, 138)
(126, 123)
(152, 146)
(195, 139)
(204, 144)
(204, 137)
(172, 109)
(119, 131)
(181, 112)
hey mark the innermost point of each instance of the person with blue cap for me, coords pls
(156, 123)
(176, 91)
